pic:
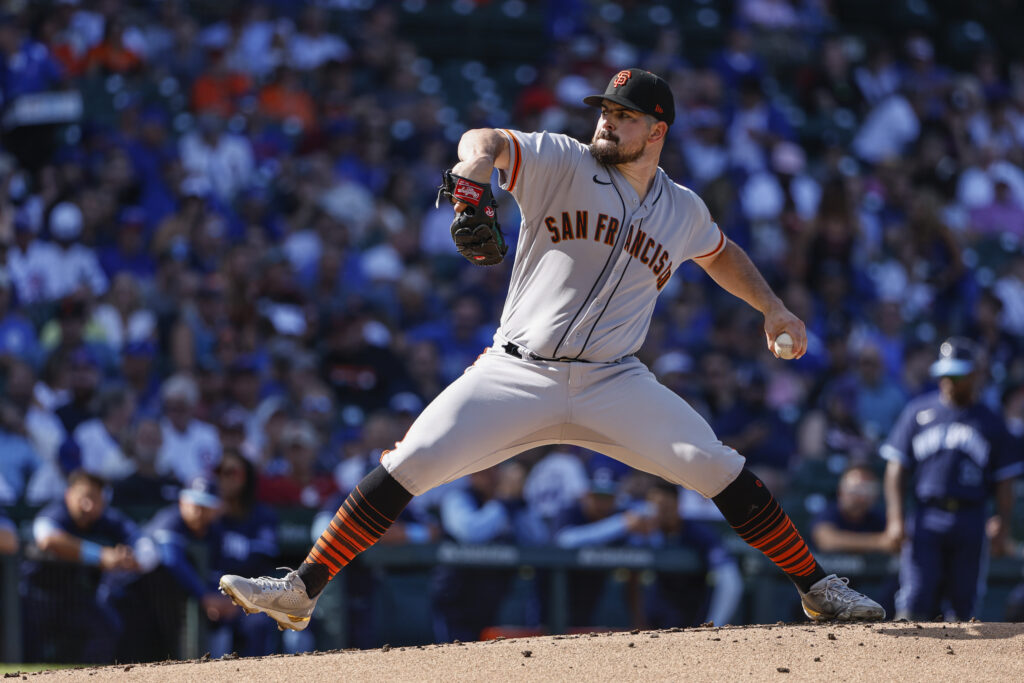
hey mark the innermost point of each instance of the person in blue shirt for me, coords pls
(489, 511)
(80, 538)
(956, 453)
(853, 523)
(248, 544)
(180, 553)
(597, 519)
(18, 459)
(673, 599)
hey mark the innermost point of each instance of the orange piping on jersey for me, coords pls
(514, 176)
(718, 247)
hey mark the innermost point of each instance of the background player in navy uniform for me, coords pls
(673, 599)
(64, 620)
(248, 544)
(151, 605)
(956, 453)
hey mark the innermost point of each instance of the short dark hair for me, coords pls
(80, 475)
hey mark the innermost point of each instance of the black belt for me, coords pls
(953, 504)
(525, 354)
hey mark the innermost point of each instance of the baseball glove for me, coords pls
(475, 231)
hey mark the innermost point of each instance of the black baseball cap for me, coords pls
(641, 91)
(957, 357)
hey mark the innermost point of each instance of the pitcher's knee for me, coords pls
(415, 470)
(708, 469)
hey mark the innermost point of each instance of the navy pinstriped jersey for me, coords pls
(951, 452)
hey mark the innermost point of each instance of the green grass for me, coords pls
(28, 668)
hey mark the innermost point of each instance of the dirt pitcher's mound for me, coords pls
(879, 652)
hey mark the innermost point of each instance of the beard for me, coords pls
(612, 153)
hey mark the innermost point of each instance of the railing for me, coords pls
(765, 584)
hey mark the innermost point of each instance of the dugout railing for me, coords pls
(768, 594)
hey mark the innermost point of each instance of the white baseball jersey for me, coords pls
(592, 255)
(591, 259)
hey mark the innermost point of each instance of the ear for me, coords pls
(658, 132)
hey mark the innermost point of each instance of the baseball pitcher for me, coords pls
(603, 229)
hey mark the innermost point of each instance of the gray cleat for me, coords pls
(831, 598)
(284, 600)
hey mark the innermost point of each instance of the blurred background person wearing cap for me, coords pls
(600, 517)
(179, 552)
(248, 544)
(667, 599)
(191, 448)
(64, 620)
(76, 265)
(955, 453)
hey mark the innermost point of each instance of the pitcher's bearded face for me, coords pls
(621, 135)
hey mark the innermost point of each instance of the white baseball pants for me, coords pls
(503, 405)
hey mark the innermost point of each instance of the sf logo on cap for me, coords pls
(621, 78)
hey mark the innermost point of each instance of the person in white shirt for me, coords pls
(99, 439)
(191, 447)
(29, 259)
(75, 265)
(225, 160)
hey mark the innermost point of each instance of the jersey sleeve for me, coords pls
(705, 238)
(538, 164)
(898, 448)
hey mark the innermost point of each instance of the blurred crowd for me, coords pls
(219, 249)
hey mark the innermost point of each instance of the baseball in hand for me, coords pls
(784, 346)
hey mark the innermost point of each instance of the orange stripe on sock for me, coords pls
(322, 558)
(765, 525)
(783, 528)
(368, 524)
(340, 542)
(345, 531)
(805, 567)
(343, 521)
(342, 555)
(790, 554)
(763, 510)
(371, 506)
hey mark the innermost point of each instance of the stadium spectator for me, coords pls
(191, 448)
(43, 430)
(29, 259)
(293, 479)
(74, 265)
(112, 55)
(150, 604)
(597, 519)
(222, 158)
(853, 522)
(17, 335)
(144, 487)
(485, 512)
(249, 544)
(79, 536)
(20, 461)
(96, 444)
(672, 599)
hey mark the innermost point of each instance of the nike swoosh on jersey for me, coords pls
(600, 182)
